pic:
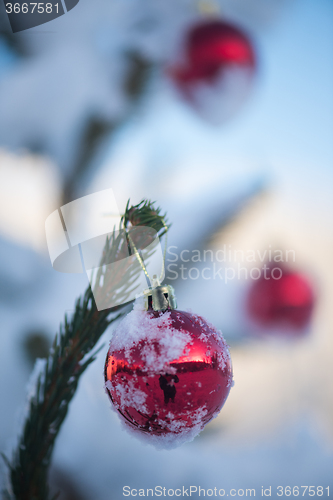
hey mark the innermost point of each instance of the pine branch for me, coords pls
(144, 214)
(69, 357)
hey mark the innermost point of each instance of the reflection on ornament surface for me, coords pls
(168, 374)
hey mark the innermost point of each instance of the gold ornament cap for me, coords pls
(160, 298)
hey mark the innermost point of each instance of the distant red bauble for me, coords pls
(213, 46)
(285, 304)
(218, 67)
(167, 374)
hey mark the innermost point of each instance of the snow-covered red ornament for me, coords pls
(167, 372)
(282, 301)
(217, 70)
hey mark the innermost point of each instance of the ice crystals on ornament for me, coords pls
(167, 373)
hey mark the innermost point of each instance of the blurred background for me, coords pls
(222, 112)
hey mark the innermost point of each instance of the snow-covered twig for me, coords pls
(69, 357)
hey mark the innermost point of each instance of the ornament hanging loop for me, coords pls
(209, 8)
(156, 297)
(142, 264)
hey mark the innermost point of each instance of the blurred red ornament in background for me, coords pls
(283, 304)
(218, 68)
(214, 46)
(171, 377)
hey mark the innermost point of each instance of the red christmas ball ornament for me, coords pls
(218, 68)
(281, 300)
(167, 372)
